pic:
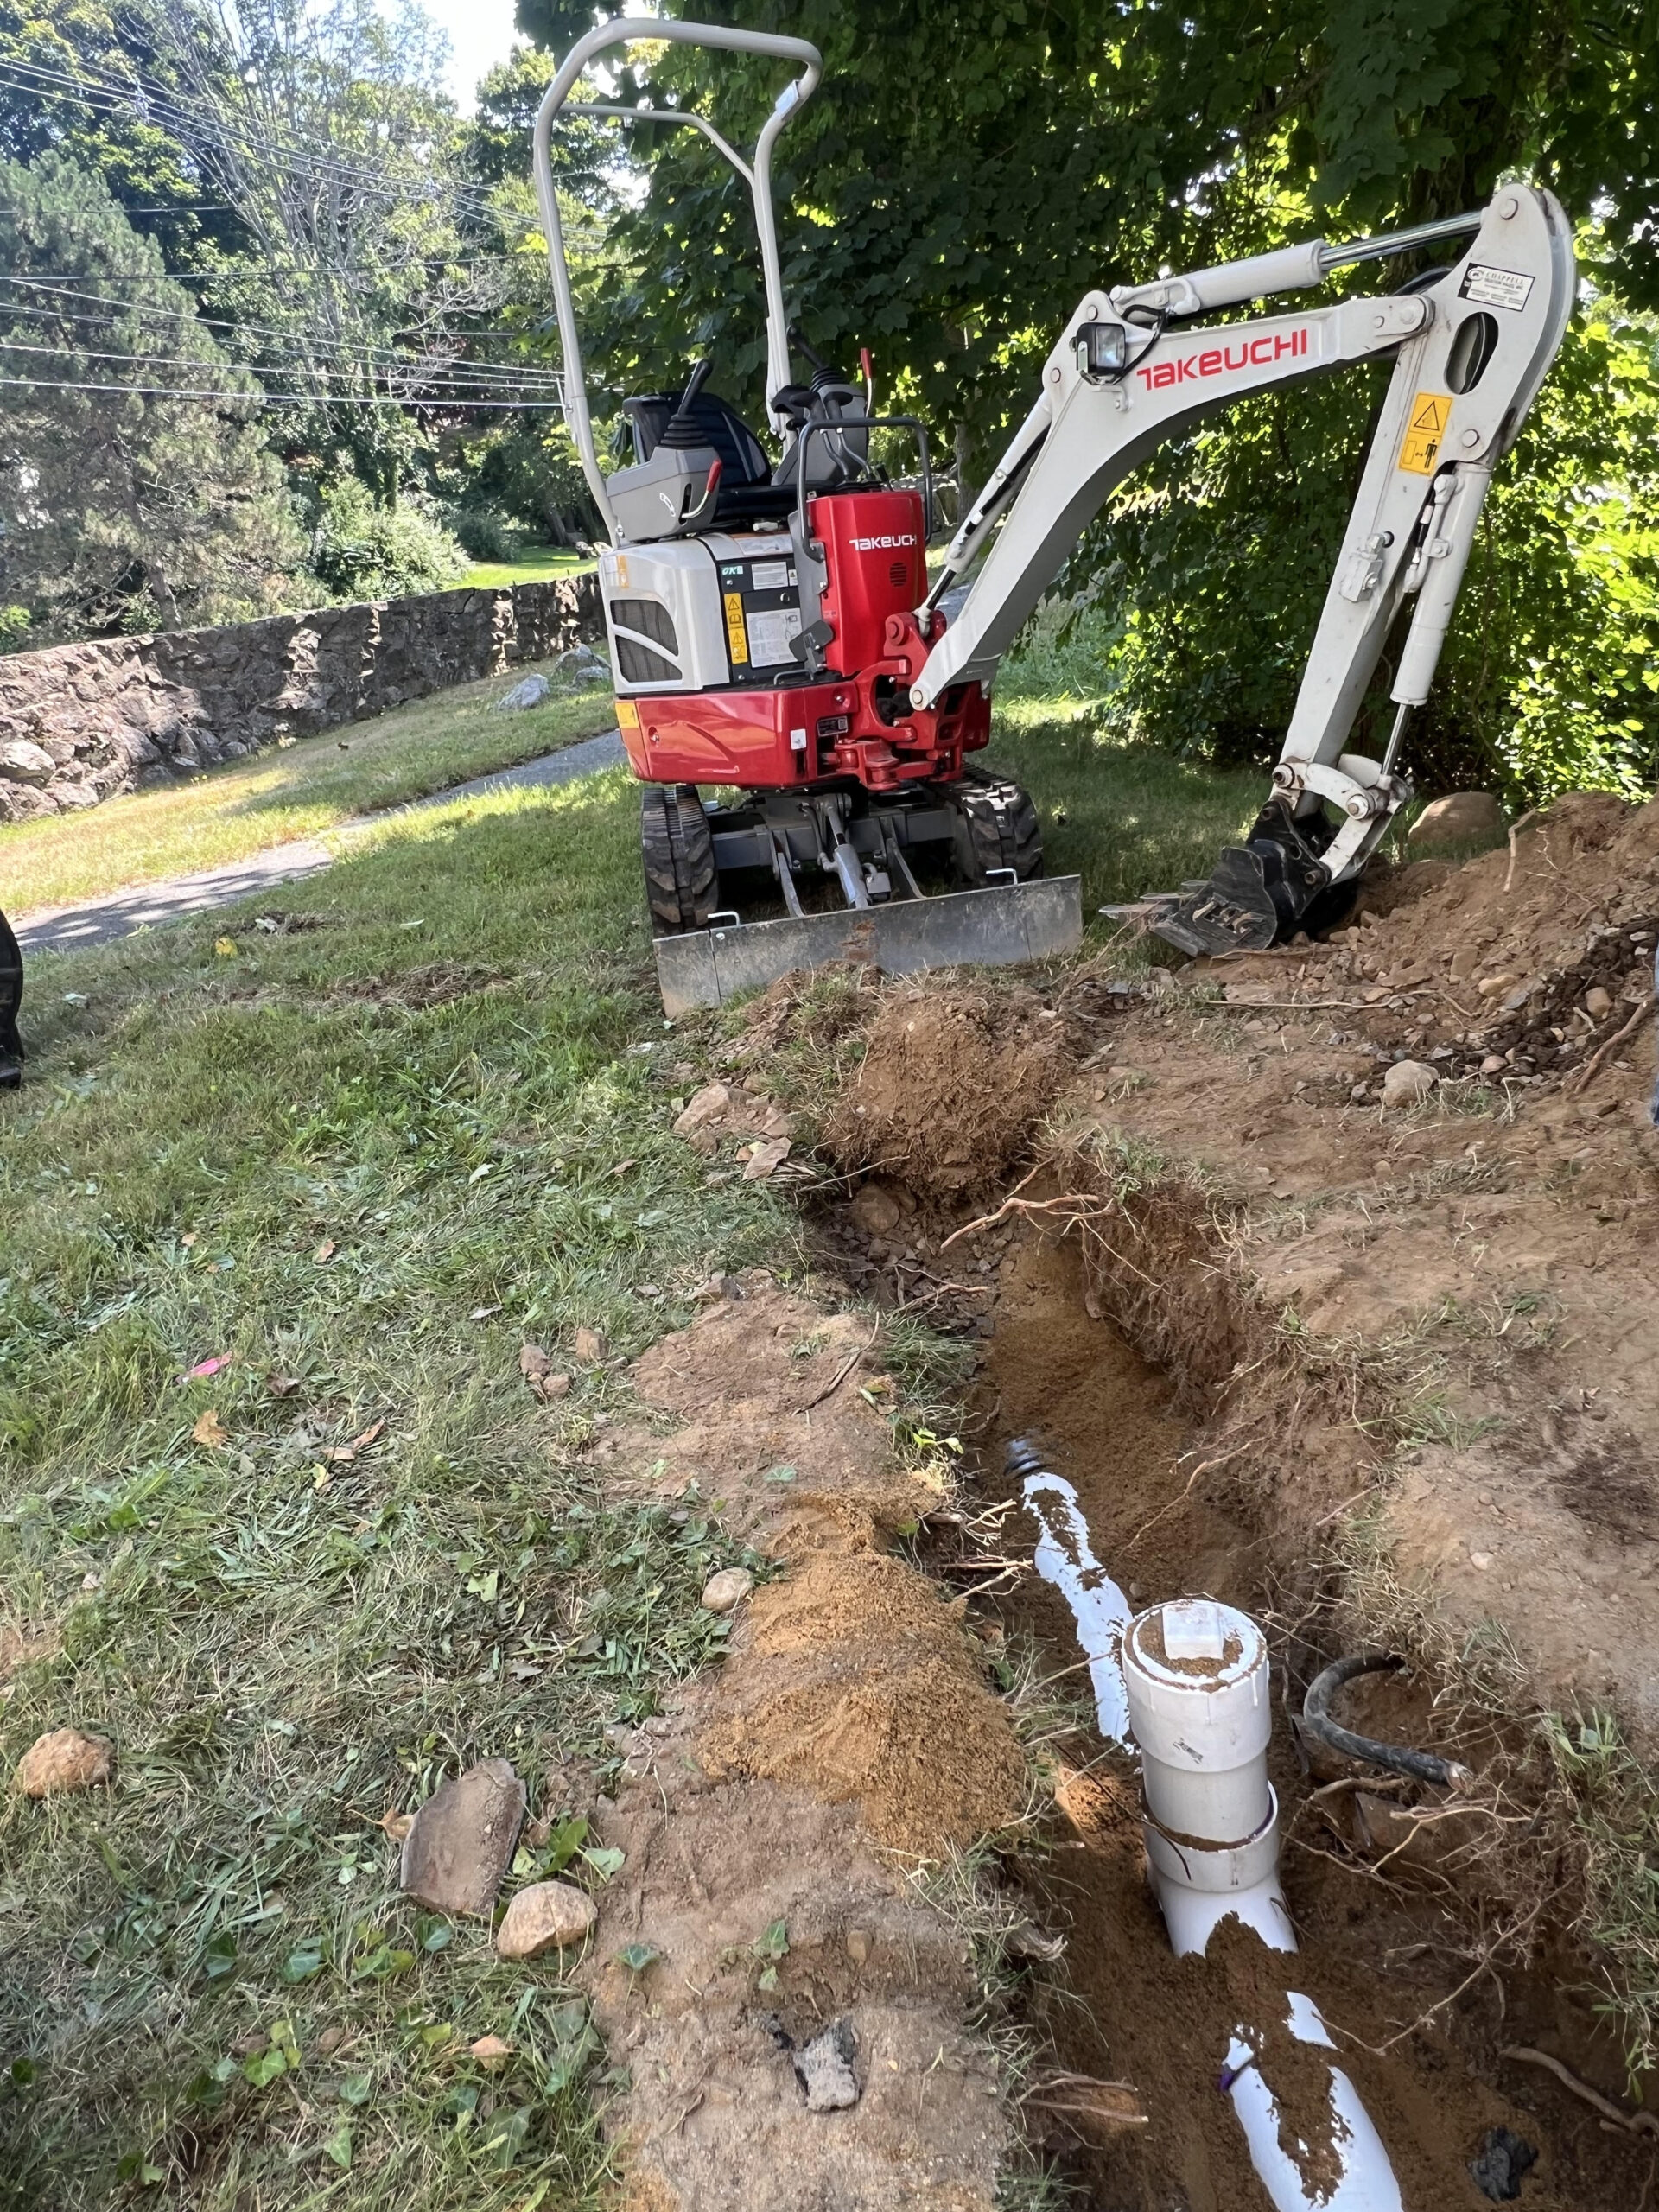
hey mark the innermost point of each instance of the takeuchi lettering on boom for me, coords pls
(1215, 360)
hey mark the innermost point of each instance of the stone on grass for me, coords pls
(528, 692)
(580, 670)
(490, 2050)
(1459, 815)
(698, 1121)
(546, 1916)
(462, 1840)
(824, 2068)
(725, 1592)
(590, 1346)
(62, 1760)
(536, 1368)
(1408, 1082)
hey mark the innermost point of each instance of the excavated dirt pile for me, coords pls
(951, 1089)
(1519, 966)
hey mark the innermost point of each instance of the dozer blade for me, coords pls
(11, 994)
(996, 927)
(1233, 912)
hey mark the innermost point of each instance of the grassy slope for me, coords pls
(225, 814)
(533, 565)
(283, 1646)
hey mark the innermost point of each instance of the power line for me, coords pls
(451, 388)
(297, 342)
(276, 398)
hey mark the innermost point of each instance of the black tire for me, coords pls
(682, 888)
(11, 994)
(996, 828)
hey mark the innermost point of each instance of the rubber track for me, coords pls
(681, 885)
(1003, 827)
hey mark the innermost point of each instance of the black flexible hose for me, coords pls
(1421, 1766)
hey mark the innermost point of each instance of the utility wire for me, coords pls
(278, 398)
(298, 344)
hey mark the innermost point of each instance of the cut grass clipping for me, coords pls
(302, 790)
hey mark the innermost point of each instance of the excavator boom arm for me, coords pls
(1470, 348)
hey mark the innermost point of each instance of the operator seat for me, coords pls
(747, 493)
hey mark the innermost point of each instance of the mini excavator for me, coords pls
(774, 635)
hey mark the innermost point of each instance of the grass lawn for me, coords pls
(363, 1160)
(533, 566)
(302, 791)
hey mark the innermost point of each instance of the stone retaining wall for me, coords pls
(78, 723)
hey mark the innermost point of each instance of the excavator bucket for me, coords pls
(1234, 912)
(998, 926)
(11, 994)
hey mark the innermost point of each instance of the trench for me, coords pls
(1384, 1953)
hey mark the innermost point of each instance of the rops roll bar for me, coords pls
(638, 30)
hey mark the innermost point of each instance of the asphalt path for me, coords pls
(148, 905)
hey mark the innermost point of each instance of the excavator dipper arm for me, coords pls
(1470, 349)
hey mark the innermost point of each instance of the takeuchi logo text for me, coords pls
(1217, 361)
(879, 544)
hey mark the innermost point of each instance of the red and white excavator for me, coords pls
(774, 635)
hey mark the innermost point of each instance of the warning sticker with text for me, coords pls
(1425, 428)
(737, 643)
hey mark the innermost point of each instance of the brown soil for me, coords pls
(874, 1694)
(851, 1711)
(951, 1089)
(1374, 1956)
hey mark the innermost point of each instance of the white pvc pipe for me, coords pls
(1099, 1608)
(1366, 2182)
(1189, 1683)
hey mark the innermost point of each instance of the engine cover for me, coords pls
(713, 684)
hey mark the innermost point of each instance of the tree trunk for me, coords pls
(965, 487)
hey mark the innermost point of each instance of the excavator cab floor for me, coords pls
(997, 927)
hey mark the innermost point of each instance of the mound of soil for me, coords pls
(1517, 966)
(851, 1710)
(952, 1083)
(871, 1691)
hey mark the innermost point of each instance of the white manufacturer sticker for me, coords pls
(770, 635)
(1495, 288)
(770, 575)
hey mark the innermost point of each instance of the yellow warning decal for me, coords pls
(628, 715)
(1430, 413)
(736, 636)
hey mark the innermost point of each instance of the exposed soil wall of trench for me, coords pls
(1128, 1293)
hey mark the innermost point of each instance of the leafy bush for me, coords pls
(362, 549)
(485, 531)
(14, 629)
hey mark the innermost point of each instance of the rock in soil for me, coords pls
(62, 1760)
(825, 2068)
(546, 1916)
(725, 1592)
(1459, 815)
(590, 1346)
(1505, 2158)
(462, 1840)
(1408, 1082)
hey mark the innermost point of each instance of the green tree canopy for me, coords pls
(124, 505)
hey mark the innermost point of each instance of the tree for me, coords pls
(124, 504)
(965, 174)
